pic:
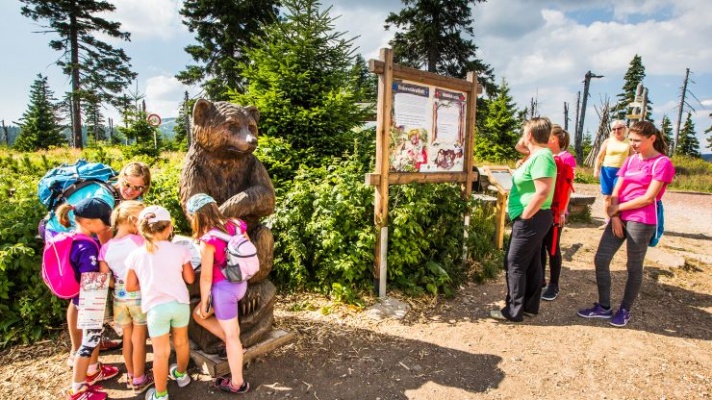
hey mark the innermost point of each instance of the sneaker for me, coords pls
(108, 344)
(621, 318)
(182, 381)
(550, 293)
(225, 385)
(87, 392)
(151, 395)
(148, 381)
(595, 312)
(103, 373)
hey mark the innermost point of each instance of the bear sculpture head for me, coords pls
(225, 129)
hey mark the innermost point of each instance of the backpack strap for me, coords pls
(59, 197)
(220, 235)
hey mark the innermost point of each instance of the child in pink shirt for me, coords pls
(161, 270)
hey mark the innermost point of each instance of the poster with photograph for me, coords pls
(93, 295)
(428, 131)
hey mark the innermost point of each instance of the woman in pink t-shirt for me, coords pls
(642, 181)
(217, 294)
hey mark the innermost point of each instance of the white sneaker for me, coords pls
(182, 381)
(151, 395)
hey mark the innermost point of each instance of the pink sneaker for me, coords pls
(87, 392)
(103, 373)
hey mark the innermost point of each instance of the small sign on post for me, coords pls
(500, 178)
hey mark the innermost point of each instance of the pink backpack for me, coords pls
(240, 256)
(57, 271)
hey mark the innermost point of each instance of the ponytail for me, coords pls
(62, 213)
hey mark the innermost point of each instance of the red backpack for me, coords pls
(57, 271)
(562, 191)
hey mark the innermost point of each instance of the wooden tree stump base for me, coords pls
(212, 365)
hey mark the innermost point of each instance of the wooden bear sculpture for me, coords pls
(220, 163)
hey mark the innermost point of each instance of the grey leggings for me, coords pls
(637, 236)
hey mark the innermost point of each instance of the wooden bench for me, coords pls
(580, 207)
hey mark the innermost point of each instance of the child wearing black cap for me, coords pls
(92, 217)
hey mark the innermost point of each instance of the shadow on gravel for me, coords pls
(351, 363)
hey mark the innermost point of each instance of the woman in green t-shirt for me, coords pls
(529, 204)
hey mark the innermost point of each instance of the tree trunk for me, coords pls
(76, 98)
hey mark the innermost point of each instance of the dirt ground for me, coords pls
(449, 349)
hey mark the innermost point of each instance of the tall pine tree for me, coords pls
(709, 139)
(302, 81)
(634, 76)
(40, 125)
(94, 119)
(223, 30)
(90, 62)
(499, 129)
(666, 130)
(432, 34)
(688, 145)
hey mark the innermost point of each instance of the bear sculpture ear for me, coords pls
(253, 112)
(202, 111)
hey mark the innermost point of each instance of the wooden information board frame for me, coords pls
(387, 73)
(503, 187)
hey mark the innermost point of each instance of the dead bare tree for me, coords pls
(601, 134)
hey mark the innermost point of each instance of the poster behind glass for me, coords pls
(428, 129)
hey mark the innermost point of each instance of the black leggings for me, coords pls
(555, 264)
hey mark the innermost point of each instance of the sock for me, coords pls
(92, 369)
(139, 380)
(180, 374)
(77, 386)
(162, 394)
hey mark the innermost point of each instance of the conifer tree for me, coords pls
(500, 128)
(223, 30)
(666, 130)
(90, 62)
(634, 76)
(40, 125)
(94, 119)
(181, 128)
(301, 79)
(688, 145)
(429, 35)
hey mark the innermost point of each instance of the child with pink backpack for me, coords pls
(218, 295)
(92, 217)
(127, 305)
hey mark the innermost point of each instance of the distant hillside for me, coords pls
(707, 157)
(166, 128)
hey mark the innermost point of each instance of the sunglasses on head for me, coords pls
(134, 188)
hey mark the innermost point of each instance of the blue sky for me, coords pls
(543, 48)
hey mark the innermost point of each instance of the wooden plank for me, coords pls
(212, 365)
(425, 77)
(399, 178)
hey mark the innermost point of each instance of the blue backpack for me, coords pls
(59, 183)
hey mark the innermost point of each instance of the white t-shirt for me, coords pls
(160, 274)
(114, 253)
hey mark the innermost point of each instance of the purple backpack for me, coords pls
(57, 271)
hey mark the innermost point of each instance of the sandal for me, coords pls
(225, 385)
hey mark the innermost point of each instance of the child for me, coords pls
(215, 290)
(558, 143)
(127, 305)
(161, 269)
(92, 217)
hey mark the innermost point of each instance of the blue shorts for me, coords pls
(608, 177)
(161, 318)
(226, 294)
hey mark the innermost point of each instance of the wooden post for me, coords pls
(380, 211)
(469, 152)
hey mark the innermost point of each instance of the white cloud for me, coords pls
(149, 19)
(163, 95)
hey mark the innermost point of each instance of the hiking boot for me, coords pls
(550, 293)
(621, 318)
(87, 392)
(151, 395)
(595, 312)
(225, 385)
(148, 381)
(103, 373)
(182, 381)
